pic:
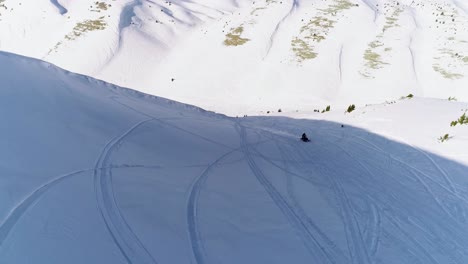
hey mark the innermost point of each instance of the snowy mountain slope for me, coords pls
(242, 56)
(93, 173)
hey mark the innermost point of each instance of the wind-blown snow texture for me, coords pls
(94, 173)
(243, 57)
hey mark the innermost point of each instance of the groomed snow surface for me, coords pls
(94, 173)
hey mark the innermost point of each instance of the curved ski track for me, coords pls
(196, 242)
(17, 213)
(122, 234)
(432, 229)
(294, 219)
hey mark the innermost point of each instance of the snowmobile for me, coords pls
(304, 138)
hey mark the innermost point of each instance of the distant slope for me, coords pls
(243, 57)
(94, 173)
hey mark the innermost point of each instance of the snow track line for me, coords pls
(331, 249)
(409, 167)
(442, 248)
(359, 254)
(196, 242)
(192, 212)
(194, 134)
(447, 179)
(358, 250)
(412, 171)
(410, 237)
(428, 190)
(404, 232)
(17, 213)
(433, 196)
(285, 170)
(171, 125)
(122, 234)
(454, 238)
(433, 236)
(292, 217)
(430, 232)
(374, 236)
(400, 244)
(447, 189)
(353, 232)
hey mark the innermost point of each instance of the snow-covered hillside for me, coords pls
(245, 56)
(94, 173)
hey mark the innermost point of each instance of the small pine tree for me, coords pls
(444, 138)
(409, 96)
(327, 109)
(463, 120)
(351, 108)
